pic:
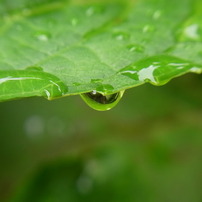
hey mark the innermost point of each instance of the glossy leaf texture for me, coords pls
(59, 48)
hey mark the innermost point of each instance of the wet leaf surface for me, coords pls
(96, 46)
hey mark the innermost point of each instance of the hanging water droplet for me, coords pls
(101, 102)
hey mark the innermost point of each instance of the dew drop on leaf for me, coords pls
(101, 102)
(120, 36)
(74, 21)
(135, 48)
(90, 11)
(43, 36)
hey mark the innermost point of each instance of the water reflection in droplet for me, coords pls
(101, 102)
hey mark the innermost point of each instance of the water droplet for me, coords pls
(196, 70)
(148, 28)
(90, 11)
(157, 15)
(43, 36)
(192, 31)
(101, 98)
(178, 65)
(144, 74)
(129, 72)
(120, 36)
(135, 48)
(147, 74)
(74, 21)
(47, 94)
(101, 102)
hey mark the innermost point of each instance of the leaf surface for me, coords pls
(59, 48)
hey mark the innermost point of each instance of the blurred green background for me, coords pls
(148, 148)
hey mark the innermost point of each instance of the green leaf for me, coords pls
(59, 48)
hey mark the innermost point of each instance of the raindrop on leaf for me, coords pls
(101, 102)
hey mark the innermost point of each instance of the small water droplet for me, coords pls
(147, 74)
(43, 36)
(47, 94)
(74, 21)
(178, 64)
(90, 11)
(135, 48)
(120, 36)
(101, 102)
(196, 70)
(192, 31)
(148, 28)
(130, 72)
(157, 15)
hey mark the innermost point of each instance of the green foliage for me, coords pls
(96, 46)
